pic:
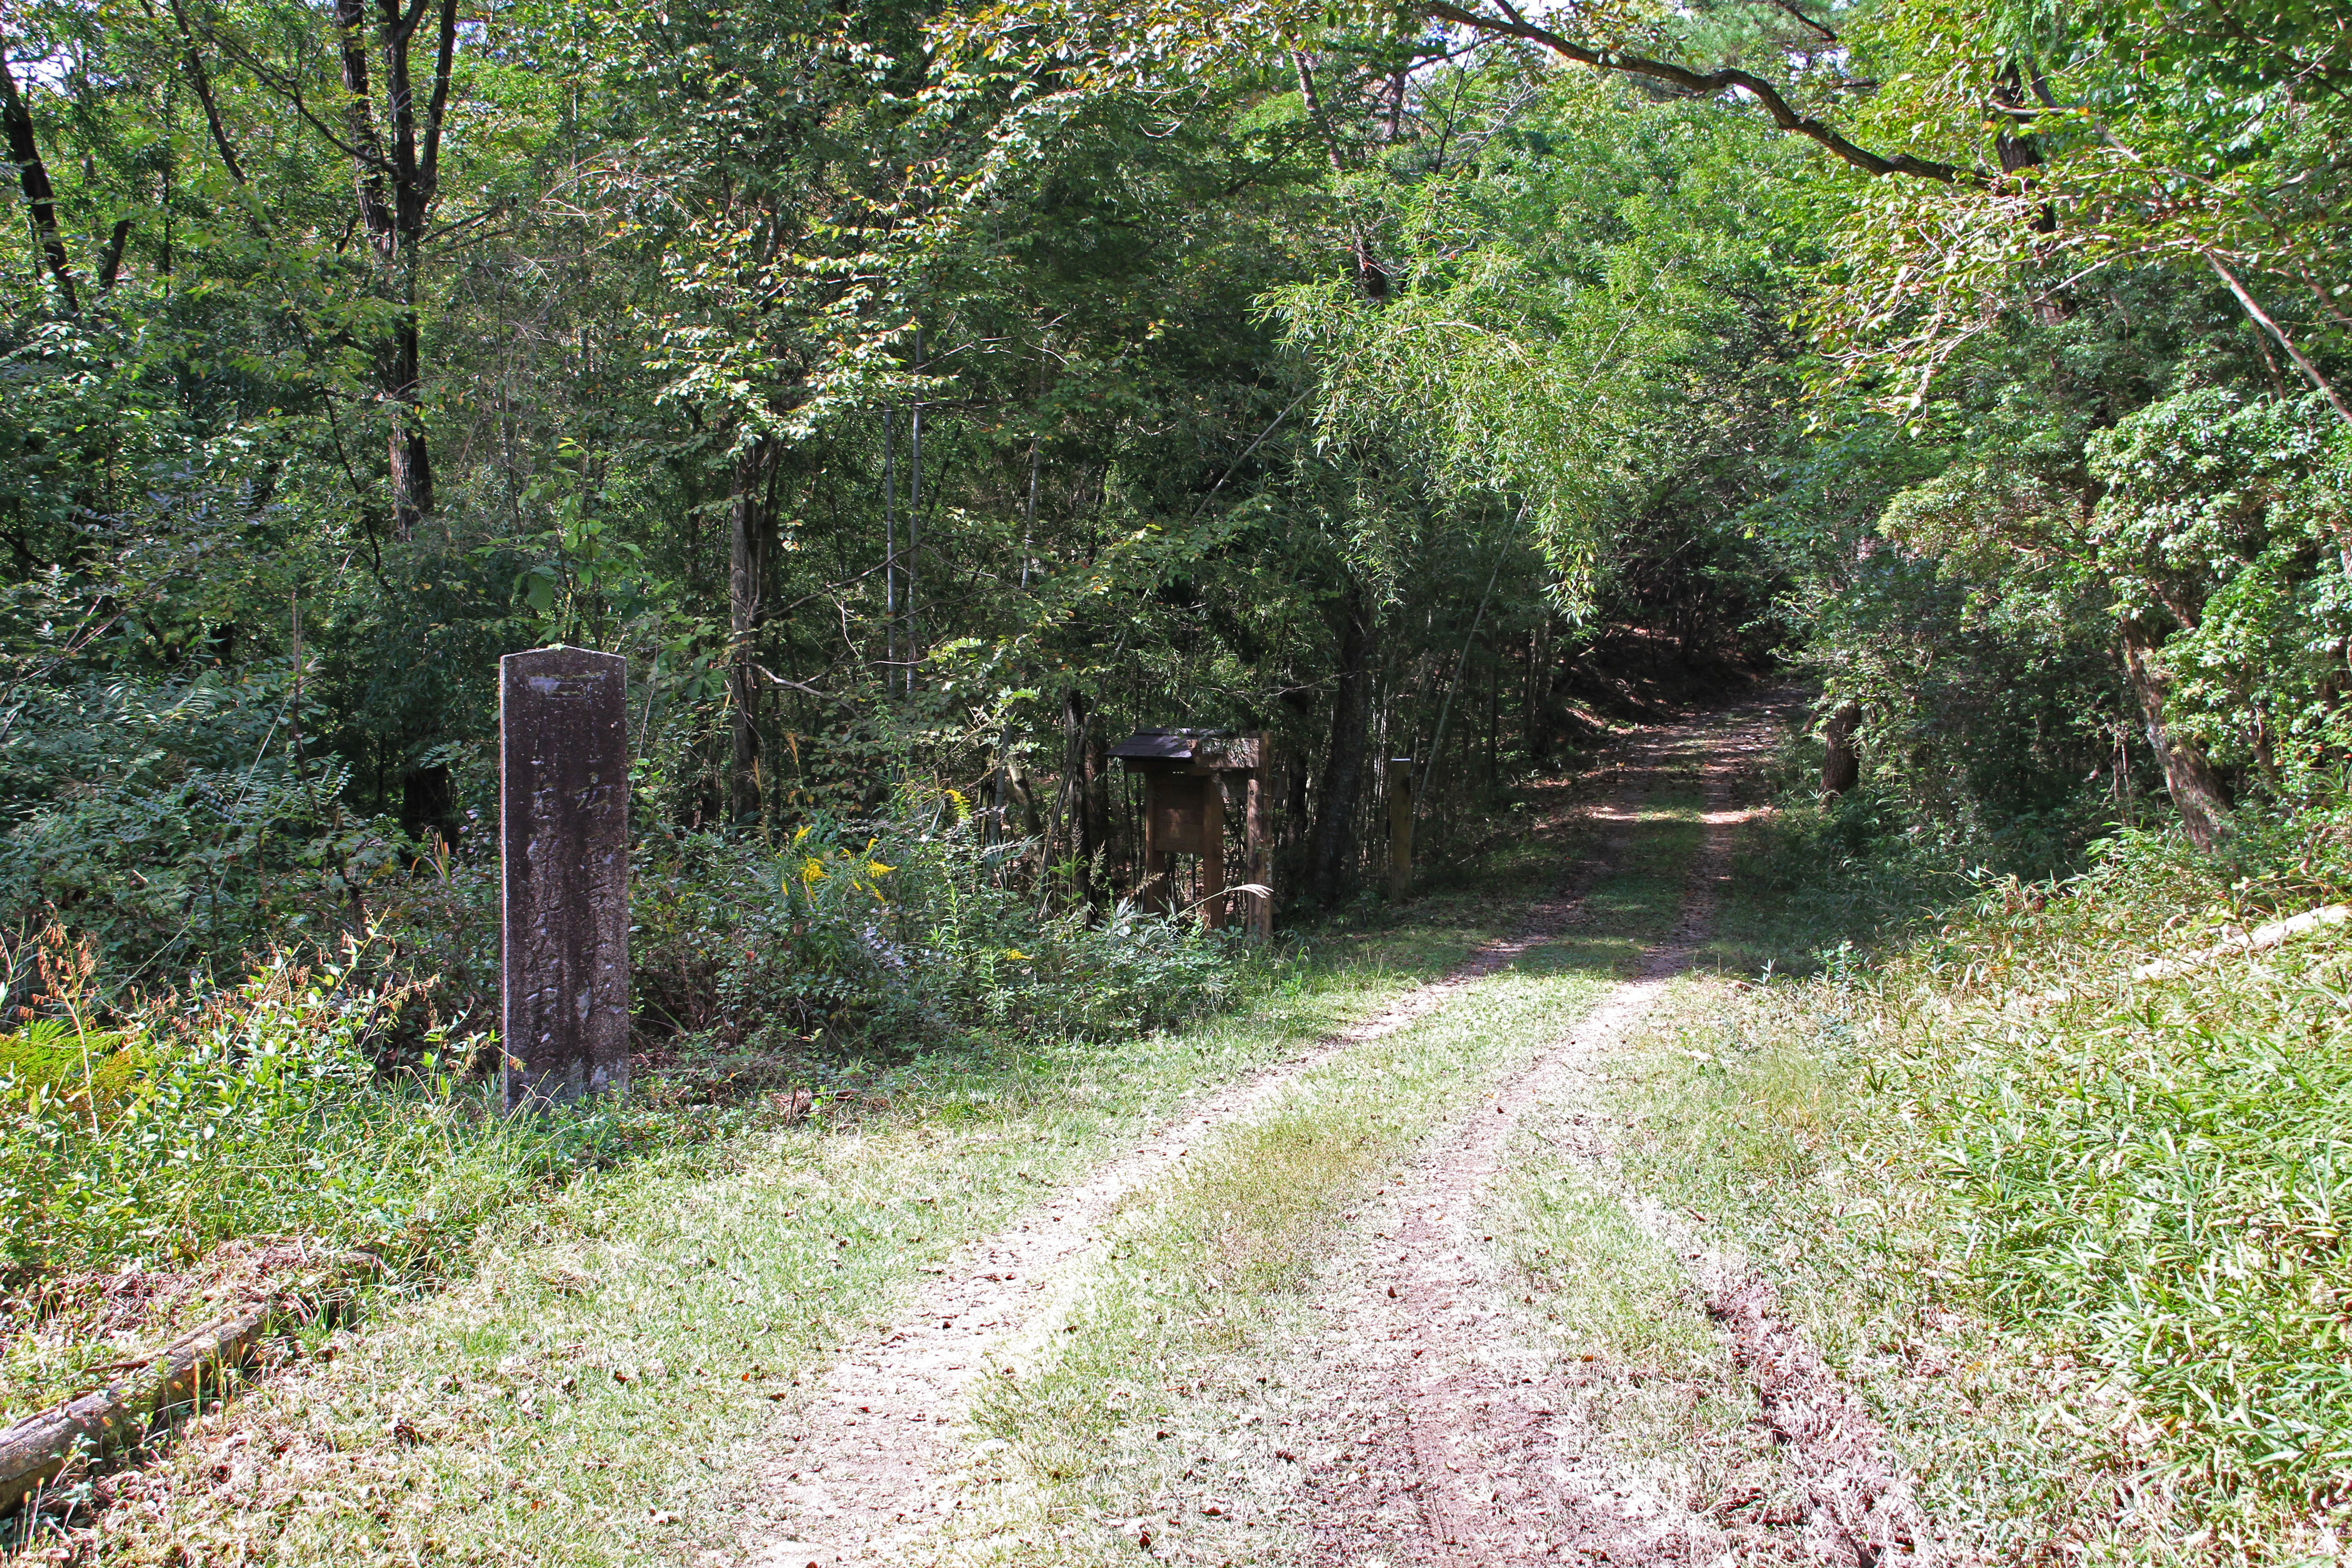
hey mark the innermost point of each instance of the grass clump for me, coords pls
(2079, 1234)
(262, 1111)
(2161, 1180)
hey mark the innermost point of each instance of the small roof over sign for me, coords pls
(1197, 751)
(1158, 745)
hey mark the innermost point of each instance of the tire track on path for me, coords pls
(871, 1469)
(1474, 1464)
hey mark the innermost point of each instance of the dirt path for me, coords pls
(1450, 1436)
(870, 1469)
(1466, 1468)
(1448, 1447)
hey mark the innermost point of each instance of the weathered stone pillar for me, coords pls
(563, 834)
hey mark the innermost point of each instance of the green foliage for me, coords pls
(168, 818)
(257, 1111)
(2226, 517)
(907, 935)
(2085, 127)
(1984, 714)
(1584, 316)
(86, 1074)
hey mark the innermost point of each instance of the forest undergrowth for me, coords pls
(152, 1145)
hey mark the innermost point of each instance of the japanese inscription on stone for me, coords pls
(563, 821)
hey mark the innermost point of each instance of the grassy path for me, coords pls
(666, 1363)
(1194, 1375)
(872, 1463)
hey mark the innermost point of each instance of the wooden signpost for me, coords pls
(1185, 780)
(564, 836)
(1400, 826)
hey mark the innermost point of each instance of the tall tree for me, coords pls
(396, 154)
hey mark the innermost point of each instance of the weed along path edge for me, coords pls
(900, 1452)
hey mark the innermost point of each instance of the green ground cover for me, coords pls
(2076, 1234)
(324, 1104)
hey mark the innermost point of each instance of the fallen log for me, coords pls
(123, 1411)
(2261, 938)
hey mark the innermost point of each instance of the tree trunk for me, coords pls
(1078, 792)
(40, 201)
(2197, 792)
(1331, 854)
(1841, 763)
(428, 801)
(1097, 800)
(1540, 672)
(201, 79)
(147, 1391)
(1372, 279)
(409, 459)
(914, 523)
(394, 180)
(746, 560)
(1494, 712)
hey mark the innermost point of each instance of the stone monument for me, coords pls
(563, 839)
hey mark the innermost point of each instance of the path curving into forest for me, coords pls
(1470, 1468)
(1480, 1464)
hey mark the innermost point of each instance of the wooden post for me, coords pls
(563, 834)
(1212, 851)
(1148, 882)
(1260, 862)
(1400, 826)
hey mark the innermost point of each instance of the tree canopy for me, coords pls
(912, 391)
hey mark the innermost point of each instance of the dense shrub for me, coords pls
(332, 1101)
(908, 930)
(256, 1110)
(167, 818)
